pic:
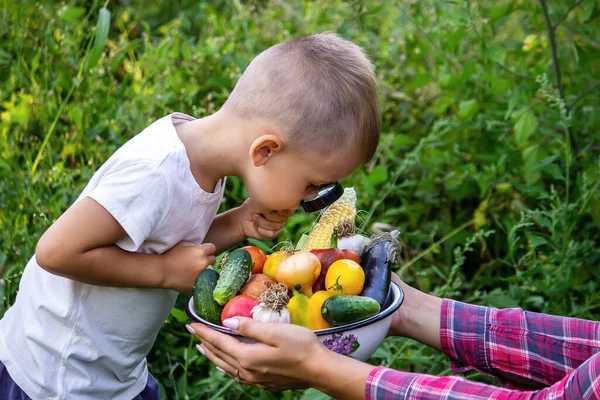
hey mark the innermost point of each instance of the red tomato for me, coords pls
(258, 258)
(350, 255)
(326, 257)
(239, 306)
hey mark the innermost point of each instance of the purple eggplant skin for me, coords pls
(376, 262)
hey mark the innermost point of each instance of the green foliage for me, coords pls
(488, 168)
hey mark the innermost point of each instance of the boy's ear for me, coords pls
(264, 147)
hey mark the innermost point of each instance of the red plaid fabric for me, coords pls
(535, 356)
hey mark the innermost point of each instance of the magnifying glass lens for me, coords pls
(327, 196)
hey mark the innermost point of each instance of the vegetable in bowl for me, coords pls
(358, 340)
(330, 290)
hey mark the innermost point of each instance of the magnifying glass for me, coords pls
(327, 196)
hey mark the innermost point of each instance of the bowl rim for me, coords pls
(399, 299)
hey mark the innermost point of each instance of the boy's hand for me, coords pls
(184, 262)
(80, 245)
(246, 221)
(260, 224)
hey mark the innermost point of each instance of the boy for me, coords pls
(106, 274)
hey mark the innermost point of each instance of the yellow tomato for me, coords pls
(315, 304)
(273, 260)
(345, 277)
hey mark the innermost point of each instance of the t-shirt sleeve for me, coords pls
(137, 196)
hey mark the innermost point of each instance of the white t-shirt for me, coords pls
(64, 339)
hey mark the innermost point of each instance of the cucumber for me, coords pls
(343, 310)
(235, 272)
(204, 304)
(379, 254)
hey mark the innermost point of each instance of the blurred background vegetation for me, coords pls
(488, 163)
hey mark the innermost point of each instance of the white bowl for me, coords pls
(358, 340)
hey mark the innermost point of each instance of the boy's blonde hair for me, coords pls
(320, 89)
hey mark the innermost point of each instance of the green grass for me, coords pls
(490, 170)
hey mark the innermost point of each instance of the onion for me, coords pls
(299, 271)
(257, 284)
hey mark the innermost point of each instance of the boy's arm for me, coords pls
(237, 224)
(224, 232)
(80, 245)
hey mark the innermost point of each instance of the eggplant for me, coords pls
(389, 299)
(376, 261)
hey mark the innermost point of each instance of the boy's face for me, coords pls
(287, 176)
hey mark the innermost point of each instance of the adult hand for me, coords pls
(282, 360)
(418, 317)
(395, 327)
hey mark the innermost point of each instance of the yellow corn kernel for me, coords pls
(344, 208)
(319, 238)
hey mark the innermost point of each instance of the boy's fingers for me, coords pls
(268, 233)
(208, 248)
(271, 216)
(286, 213)
(211, 260)
(269, 225)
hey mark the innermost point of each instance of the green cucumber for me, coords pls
(204, 304)
(235, 272)
(343, 310)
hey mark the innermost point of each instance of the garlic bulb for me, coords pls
(354, 243)
(272, 306)
(348, 240)
(262, 313)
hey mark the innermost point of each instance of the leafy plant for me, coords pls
(488, 163)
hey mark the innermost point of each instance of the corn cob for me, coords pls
(343, 209)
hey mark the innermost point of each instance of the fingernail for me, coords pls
(190, 329)
(221, 370)
(200, 349)
(232, 323)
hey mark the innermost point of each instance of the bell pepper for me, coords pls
(298, 308)
(314, 308)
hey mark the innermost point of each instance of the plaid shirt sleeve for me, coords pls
(529, 351)
(523, 349)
